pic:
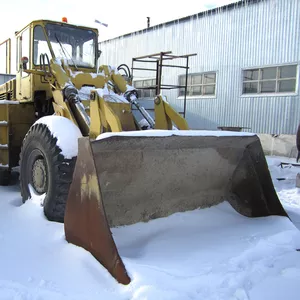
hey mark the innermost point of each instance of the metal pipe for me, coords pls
(71, 95)
(159, 72)
(186, 81)
(174, 66)
(152, 55)
(144, 69)
(8, 56)
(142, 110)
(180, 56)
(83, 113)
(147, 61)
(157, 78)
(7, 44)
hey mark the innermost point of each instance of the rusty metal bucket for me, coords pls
(123, 180)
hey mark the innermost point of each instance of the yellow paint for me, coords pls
(3, 134)
(96, 120)
(165, 115)
(120, 82)
(104, 116)
(4, 153)
(4, 157)
(4, 112)
(61, 107)
(87, 79)
(110, 116)
(161, 119)
(90, 188)
(124, 113)
(173, 115)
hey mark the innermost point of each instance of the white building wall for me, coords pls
(257, 34)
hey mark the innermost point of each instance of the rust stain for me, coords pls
(85, 219)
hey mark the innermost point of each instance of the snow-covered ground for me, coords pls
(204, 254)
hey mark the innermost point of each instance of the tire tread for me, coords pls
(62, 169)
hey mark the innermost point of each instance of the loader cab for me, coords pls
(41, 40)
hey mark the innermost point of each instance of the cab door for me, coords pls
(24, 80)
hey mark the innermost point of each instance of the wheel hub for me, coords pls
(39, 176)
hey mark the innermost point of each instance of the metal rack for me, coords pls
(7, 45)
(158, 59)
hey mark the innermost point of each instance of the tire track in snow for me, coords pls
(232, 279)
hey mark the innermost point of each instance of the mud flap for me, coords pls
(124, 180)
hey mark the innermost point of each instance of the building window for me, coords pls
(143, 88)
(270, 80)
(200, 84)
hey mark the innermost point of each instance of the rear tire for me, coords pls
(47, 171)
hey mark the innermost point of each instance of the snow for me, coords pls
(66, 132)
(144, 123)
(113, 69)
(75, 73)
(208, 254)
(284, 179)
(115, 98)
(78, 62)
(110, 96)
(163, 133)
(130, 88)
(9, 102)
(105, 93)
(58, 61)
(94, 75)
(85, 92)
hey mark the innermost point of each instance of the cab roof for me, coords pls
(58, 23)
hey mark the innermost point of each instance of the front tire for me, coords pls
(46, 170)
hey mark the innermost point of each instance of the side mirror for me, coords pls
(24, 61)
(99, 53)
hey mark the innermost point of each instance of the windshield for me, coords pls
(77, 46)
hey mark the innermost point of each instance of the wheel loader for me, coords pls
(68, 124)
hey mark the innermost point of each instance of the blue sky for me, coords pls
(121, 16)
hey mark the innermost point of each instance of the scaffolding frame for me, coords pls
(7, 45)
(158, 59)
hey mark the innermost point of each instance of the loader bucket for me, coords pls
(123, 180)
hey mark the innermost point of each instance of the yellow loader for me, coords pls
(69, 125)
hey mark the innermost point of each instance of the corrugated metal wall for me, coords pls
(259, 34)
(6, 77)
